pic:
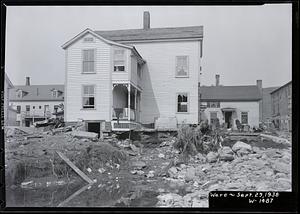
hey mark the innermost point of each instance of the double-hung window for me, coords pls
(119, 60)
(88, 97)
(244, 117)
(182, 102)
(18, 109)
(182, 66)
(213, 117)
(88, 63)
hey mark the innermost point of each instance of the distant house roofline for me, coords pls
(36, 93)
(281, 87)
(230, 93)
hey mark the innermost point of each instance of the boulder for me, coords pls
(212, 157)
(172, 172)
(243, 151)
(190, 174)
(139, 164)
(281, 167)
(226, 154)
(239, 145)
(169, 200)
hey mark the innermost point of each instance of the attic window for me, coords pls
(54, 93)
(88, 39)
(19, 94)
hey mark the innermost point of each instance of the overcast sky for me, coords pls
(242, 44)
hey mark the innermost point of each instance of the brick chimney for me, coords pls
(146, 20)
(217, 79)
(259, 84)
(27, 81)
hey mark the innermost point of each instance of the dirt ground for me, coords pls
(128, 172)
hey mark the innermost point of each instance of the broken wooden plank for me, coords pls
(75, 168)
(33, 136)
(82, 189)
(83, 134)
(243, 134)
(276, 139)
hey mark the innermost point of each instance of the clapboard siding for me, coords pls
(251, 107)
(75, 79)
(160, 84)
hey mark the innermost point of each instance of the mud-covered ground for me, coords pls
(128, 173)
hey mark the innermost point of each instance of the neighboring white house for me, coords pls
(10, 114)
(35, 102)
(231, 103)
(140, 74)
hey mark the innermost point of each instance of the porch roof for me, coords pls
(228, 109)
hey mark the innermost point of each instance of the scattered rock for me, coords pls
(139, 165)
(226, 154)
(190, 174)
(212, 157)
(281, 167)
(242, 152)
(140, 172)
(172, 172)
(239, 145)
(161, 155)
(150, 174)
(169, 200)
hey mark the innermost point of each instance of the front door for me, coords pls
(27, 123)
(228, 119)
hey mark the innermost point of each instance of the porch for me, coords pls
(126, 106)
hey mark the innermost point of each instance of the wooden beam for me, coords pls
(75, 168)
(82, 189)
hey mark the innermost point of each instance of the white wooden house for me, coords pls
(231, 103)
(143, 74)
(35, 102)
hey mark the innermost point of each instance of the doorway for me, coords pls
(228, 119)
(94, 127)
(27, 123)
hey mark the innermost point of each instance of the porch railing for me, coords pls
(25, 114)
(124, 114)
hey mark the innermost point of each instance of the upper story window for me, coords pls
(88, 97)
(213, 104)
(119, 60)
(88, 63)
(88, 39)
(182, 66)
(18, 109)
(182, 102)
(27, 107)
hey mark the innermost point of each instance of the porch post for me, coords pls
(135, 111)
(129, 89)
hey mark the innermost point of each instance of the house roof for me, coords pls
(108, 41)
(230, 93)
(37, 93)
(290, 82)
(9, 83)
(153, 34)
